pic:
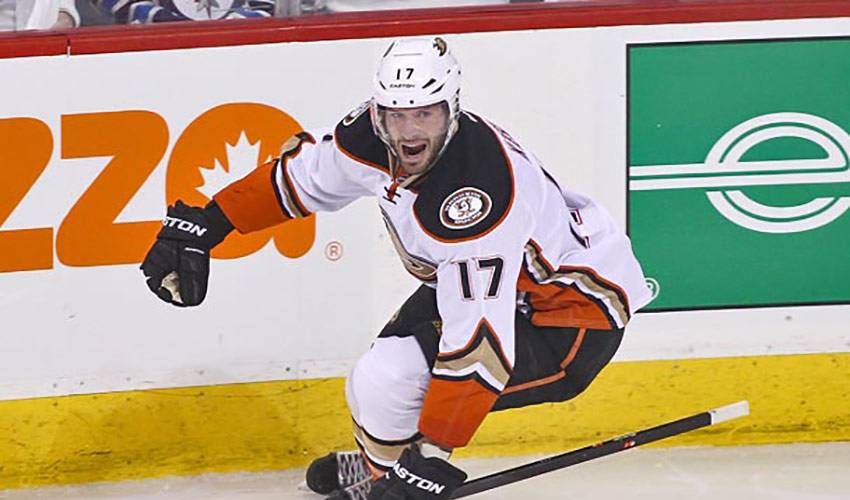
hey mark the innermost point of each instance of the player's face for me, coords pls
(417, 134)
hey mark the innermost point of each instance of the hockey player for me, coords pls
(527, 285)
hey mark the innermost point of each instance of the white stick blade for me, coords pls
(729, 412)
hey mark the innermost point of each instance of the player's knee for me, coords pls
(386, 388)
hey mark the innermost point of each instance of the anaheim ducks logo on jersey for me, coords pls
(470, 189)
(465, 208)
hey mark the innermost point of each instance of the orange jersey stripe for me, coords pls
(574, 349)
(535, 383)
(555, 377)
(251, 203)
(555, 305)
(453, 411)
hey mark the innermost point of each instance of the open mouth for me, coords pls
(413, 150)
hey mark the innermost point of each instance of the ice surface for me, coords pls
(798, 471)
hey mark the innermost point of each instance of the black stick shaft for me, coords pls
(609, 447)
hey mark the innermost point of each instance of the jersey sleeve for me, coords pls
(308, 177)
(476, 298)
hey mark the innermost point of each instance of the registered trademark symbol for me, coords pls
(333, 250)
(653, 286)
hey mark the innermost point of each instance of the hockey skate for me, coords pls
(341, 475)
(357, 491)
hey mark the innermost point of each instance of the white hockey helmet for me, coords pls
(417, 72)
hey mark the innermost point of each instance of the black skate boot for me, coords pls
(337, 471)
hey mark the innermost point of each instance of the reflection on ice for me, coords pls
(776, 472)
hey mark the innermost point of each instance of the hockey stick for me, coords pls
(687, 424)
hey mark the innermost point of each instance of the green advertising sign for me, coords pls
(739, 172)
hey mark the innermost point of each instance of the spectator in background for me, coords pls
(38, 14)
(154, 11)
(299, 7)
(361, 5)
(157, 11)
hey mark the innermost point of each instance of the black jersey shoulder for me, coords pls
(470, 189)
(356, 138)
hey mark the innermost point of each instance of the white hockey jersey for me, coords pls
(487, 226)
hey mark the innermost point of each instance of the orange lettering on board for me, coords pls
(26, 145)
(223, 145)
(136, 141)
(217, 148)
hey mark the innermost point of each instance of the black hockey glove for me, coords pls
(415, 477)
(178, 265)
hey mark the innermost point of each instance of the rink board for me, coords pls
(85, 200)
(99, 380)
(275, 425)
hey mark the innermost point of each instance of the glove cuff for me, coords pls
(219, 225)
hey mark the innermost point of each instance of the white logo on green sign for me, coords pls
(739, 171)
(723, 167)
